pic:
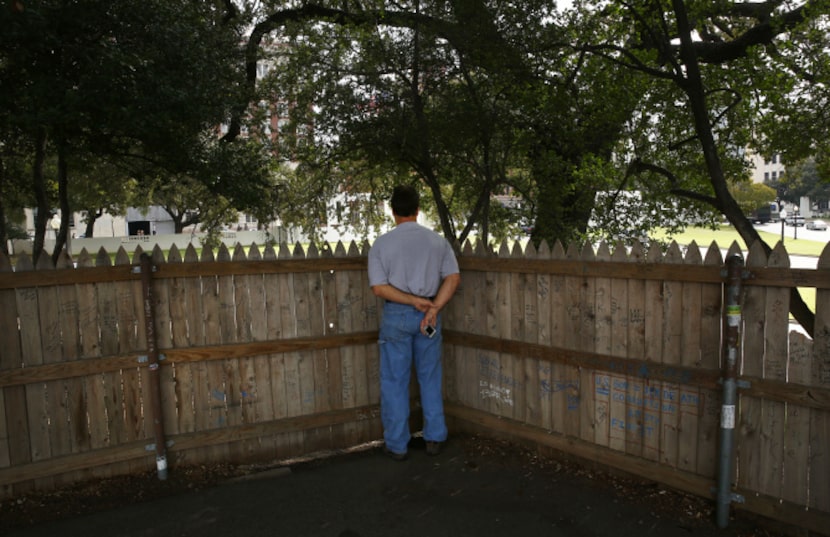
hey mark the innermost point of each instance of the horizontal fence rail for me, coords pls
(612, 356)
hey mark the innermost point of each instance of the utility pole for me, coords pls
(783, 214)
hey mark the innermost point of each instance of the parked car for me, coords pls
(818, 225)
(797, 221)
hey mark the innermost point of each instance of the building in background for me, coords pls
(767, 171)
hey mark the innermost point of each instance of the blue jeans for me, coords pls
(401, 342)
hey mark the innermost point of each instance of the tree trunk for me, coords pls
(563, 211)
(44, 212)
(4, 233)
(693, 86)
(89, 226)
(63, 196)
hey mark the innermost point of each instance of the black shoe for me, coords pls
(433, 448)
(395, 456)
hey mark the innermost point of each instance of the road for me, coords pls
(797, 261)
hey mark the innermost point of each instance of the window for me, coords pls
(766, 177)
(774, 176)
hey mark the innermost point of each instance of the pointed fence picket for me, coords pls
(608, 353)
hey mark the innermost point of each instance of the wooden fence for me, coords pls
(610, 356)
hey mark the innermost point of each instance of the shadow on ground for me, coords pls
(479, 487)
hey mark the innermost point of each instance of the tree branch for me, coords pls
(762, 33)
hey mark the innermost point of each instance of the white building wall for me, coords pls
(765, 171)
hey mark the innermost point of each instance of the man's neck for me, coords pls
(401, 219)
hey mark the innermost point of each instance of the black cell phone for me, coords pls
(429, 330)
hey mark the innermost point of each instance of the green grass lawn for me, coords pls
(726, 235)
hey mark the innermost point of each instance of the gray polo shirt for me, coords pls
(411, 258)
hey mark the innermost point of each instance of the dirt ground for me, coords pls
(477, 486)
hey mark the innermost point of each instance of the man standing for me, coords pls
(415, 271)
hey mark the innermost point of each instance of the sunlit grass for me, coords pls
(726, 235)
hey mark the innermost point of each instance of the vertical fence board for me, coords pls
(749, 441)
(14, 426)
(669, 394)
(654, 313)
(483, 318)
(31, 334)
(557, 389)
(133, 341)
(244, 387)
(634, 425)
(710, 348)
(367, 370)
(619, 318)
(289, 316)
(319, 438)
(796, 466)
(511, 325)
(586, 342)
(258, 375)
(530, 333)
(52, 349)
(96, 434)
(543, 337)
(111, 382)
(214, 404)
(274, 369)
(196, 316)
(820, 419)
(333, 358)
(775, 368)
(601, 385)
(688, 402)
(229, 334)
(71, 389)
(347, 302)
(75, 428)
(571, 341)
(306, 289)
(526, 369)
(466, 365)
(184, 419)
(365, 319)
(503, 382)
(450, 318)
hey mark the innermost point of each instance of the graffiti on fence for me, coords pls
(645, 405)
(489, 390)
(495, 383)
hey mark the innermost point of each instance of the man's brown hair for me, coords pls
(405, 200)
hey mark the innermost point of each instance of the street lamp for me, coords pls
(783, 215)
(795, 223)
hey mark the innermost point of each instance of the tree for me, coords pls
(13, 194)
(723, 61)
(406, 106)
(99, 188)
(189, 203)
(805, 179)
(751, 196)
(470, 98)
(142, 85)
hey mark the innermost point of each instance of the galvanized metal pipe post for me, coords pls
(732, 342)
(153, 366)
